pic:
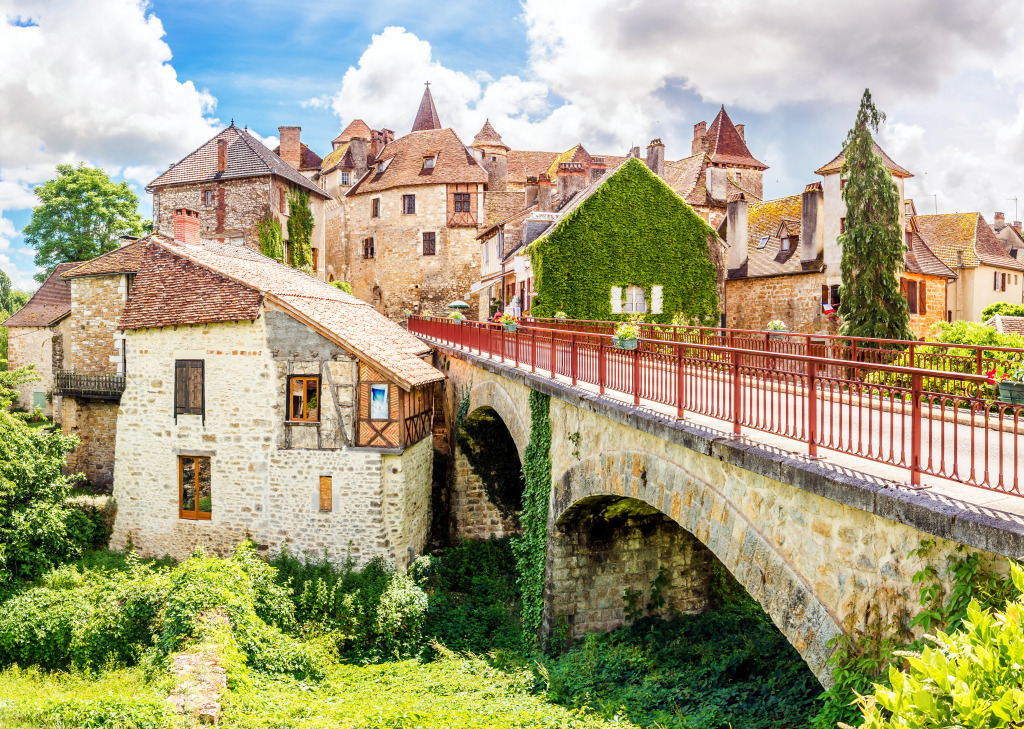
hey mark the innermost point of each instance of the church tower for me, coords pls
(426, 117)
(495, 157)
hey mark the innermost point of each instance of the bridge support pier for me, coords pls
(607, 547)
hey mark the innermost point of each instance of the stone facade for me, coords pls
(474, 515)
(399, 275)
(236, 207)
(935, 305)
(32, 346)
(751, 303)
(819, 566)
(94, 344)
(95, 425)
(266, 474)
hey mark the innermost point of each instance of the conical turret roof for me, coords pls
(726, 146)
(488, 137)
(426, 117)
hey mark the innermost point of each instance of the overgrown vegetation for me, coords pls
(343, 286)
(300, 230)
(634, 230)
(271, 238)
(1002, 308)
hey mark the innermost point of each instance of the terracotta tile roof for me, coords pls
(726, 146)
(426, 116)
(308, 159)
(502, 205)
(337, 158)
(488, 137)
(233, 281)
(49, 304)
(246, 157)
(355, 128)
(836, 165)
(686, 177)
(768, 219)
(950, 234)
(1007, 324)
(454, 163)
(922, 259)
(523, 164)
(126, 259)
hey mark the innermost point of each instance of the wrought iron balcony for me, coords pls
(88, 385)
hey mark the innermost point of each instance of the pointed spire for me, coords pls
(726, 146)
(426, 117)
(488, 137)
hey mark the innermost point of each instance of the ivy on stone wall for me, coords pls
(634, 230)
(530, 548)
(271, 239)
(300, 230)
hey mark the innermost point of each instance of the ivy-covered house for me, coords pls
(626, 244)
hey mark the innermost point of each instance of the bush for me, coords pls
(1002, 308)
(342, 285)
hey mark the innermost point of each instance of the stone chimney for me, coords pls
(740, 129)
(531, 190)
(571, 179)
(222, 154)
(358, 148)
(634, 152)
(186, 226)
(700, 142)
(999, 220)
(716, 180)
(544, 193)
(656, 157)
(291, 148)
(736, 232)
(379, 139)
(597, 168)
(1016, 226)
(812, 224)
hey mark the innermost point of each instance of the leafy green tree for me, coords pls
(81, 215)
(300, 230)
(1002, 308)
(872, 244)
(343, 286)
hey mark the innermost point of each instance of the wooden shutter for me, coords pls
(180, 389)
(189, 389)
(911, 294)
(326, 495)
(922, 297)
(824, 294)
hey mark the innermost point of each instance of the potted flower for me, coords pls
(457, 316)
(776, 328)
(561, 315)
(510, 321)
(1011, 385)
(626, 334)
(407, 313)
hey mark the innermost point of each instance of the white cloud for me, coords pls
(90, 81)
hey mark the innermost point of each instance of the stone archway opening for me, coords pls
(615, 559)
(488, 487)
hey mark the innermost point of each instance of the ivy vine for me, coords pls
(271, 240)
(634, 230)
(300, 230)
(530, 548)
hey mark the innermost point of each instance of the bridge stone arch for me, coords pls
(492, 394)
(586, 573)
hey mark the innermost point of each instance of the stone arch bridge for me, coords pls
(824, 550)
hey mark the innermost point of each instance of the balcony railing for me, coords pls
(88, 385)
(460, 219)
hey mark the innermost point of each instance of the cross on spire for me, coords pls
(426, 117)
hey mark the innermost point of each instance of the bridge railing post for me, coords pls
(515, 345)
(602, 364)
(679, 381)
(533, 350)
(636, 374)
(554, 354)
(572, 358)
(916, 387)
(812, 407)
(737, 395)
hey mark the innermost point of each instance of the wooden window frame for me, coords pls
(326, 494)
(463, 202)
(290, 416)
(195, 514)
(375, 207)
(316, 259)
(842, 225)
(346, 178)
(409, 204)
(369, 252)
(188, 407)
(208, 198)
(430, 250)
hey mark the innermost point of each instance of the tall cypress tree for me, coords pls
(872, 244)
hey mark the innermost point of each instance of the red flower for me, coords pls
(992, 376)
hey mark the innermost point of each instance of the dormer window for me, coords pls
(428, 162)
(383, 164)
(346, 178)
(785, 243)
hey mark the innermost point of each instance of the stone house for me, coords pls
(1007, 324)
(234, 181)
(260, 401)
(35, 336)
(987, 273)
(1009, 235)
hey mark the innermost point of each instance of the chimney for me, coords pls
(531, 190)
(597, 168)
(740, 129)
(1016, 226)
(186, 226)
(812, 228)
(656, 157)
(358, 150)
(291, 148)
(699, 144)
(222, 154)
(544, 193)
(1000, 220)
(571, 179)
(379, 139)
(736, 232)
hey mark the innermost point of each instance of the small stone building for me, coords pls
(262, 402)
(35, 336)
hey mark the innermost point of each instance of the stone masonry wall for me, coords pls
(236, 207)
(753, 302)
(258, 489)
(474, 516)
(95, 424)
(93, 343)
(594, 561)
(935, 305)
(32, 346)
(400, 276)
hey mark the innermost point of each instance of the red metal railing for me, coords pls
(819, 390)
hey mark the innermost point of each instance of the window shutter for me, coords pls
(180, 389)
(656, 301)
(616, 299)
(995, 281)
(824, 294)
(922, 297)
(326, 496)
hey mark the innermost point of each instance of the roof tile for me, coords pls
(50, 303)
(454, 164)
(726, 146)
(836, 165)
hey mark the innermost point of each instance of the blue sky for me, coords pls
(132, 86)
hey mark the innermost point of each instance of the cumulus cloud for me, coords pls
(90, 81)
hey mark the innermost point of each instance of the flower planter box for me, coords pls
(1012, 392)
(511, 327)
(624, 343)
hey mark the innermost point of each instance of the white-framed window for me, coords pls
(785, 243)
(636, 300)
(346, 178)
